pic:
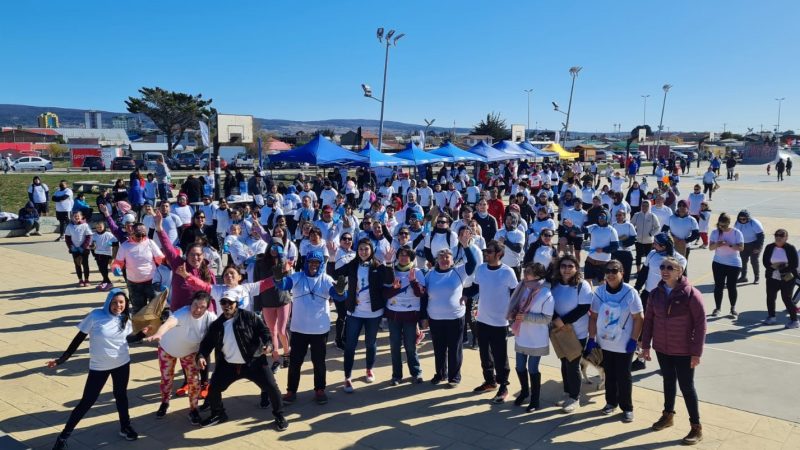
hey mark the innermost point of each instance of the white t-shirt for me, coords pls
(709, 177)
(405, 300)
(66, 204)
(567, 298)
(587, 194)
(495, 294)
(614, 321)
(230, 349)
(185, 337)
(682, 227)
(653, 262)
(78, 233)
(601, 237)
(184, 212)
(536, 335)
(473, 193)
(578, 218)
(749, 230)
(515, 236)
(616, 183)
(244, 294)
(103, 243)
(310, 307)
(363, 300)
(625, 229)
(170, 224)
(108, 348)
(662, 212)
(725, 254)
(328, 197)
(444, 293)
(39, 193)
(694, 203)
(425, 195)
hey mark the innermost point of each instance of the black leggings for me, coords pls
(300, 344)
(785, 288)
(63, 220)
(725, 276)
(571, 374)
(81, 261)
(748, 255)
(641, 252)
(678, 368)
(94, 384)
(708, 188)
(341, 317)
(102, 266)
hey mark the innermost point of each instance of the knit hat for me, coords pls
(123, 207)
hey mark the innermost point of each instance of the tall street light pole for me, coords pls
(644, 109)
(368, 90)
(666, 89)
(778, 126)
(528, 126)
(573, 71)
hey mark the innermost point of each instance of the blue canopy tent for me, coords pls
(449, 150)
(378, 159)
(511, 149)
(419, 157)
(488, 152)
(321, 152)
(527, 146)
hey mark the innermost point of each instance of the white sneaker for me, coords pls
(370, 376)
(770, 321)
(792, 325)
(570, 405)
(562, 400)
(348, 386)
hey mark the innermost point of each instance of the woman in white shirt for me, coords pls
(108, 329)
(78, 237)
(780, 261)
(344, 254)
(179, 339)
(530, 313)
(403, 313)
(573, 298)
(726, 243)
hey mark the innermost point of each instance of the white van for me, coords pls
(150, 160)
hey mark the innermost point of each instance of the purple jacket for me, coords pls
(675, 323)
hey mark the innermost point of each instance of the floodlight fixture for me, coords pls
(397, 38)
(367, 90)
(389, 35)
(380, 34)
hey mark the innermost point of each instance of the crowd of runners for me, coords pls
(587, 261)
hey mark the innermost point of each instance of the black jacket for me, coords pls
(791, 255)
(250, 331)
(379, 275)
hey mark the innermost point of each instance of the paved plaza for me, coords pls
(747, 380)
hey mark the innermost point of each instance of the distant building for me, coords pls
(127, 123)
(93, 119)
(48, 120)
(31, 135)
(474, 139)
(107, 137)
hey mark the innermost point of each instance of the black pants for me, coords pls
(571, 375)
(725, 276)
(140, 294)
(256, 371)
(730, 173)
(748, 255)
(448, 347)
(619, 385)
(81, 261)
(708, 188)
(300, 343)
(470, 320)
(102, 266)
(626, 258)
(785, 288)
(341, 317)
(63, 220)
(678, 368)
(94, 384)
(641, 252)
(493, 348)
(780, 176)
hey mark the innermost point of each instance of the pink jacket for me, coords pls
(181, 291)
(675, 323)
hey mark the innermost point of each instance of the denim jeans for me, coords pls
(352, 330)
(531, 361)
(405, 334)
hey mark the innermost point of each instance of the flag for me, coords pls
(204, 134)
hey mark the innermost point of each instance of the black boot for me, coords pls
(536, 387)
(524, 391)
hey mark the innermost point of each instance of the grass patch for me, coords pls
(14, 187)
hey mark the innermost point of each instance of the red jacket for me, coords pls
(497, 210)
(675, 323)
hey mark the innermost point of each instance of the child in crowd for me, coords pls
(705, 216)
(102, 249)
(150, 190)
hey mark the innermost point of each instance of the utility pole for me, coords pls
(528, 126)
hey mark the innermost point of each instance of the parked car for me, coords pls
(244, 161)
(93, 163)
(151, 160)
(32, 163)
(123, 163)
(602, 155)
(185, 161)
(204, 163)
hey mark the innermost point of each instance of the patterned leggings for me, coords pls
(166, 363)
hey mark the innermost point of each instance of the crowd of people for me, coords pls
(543, 254)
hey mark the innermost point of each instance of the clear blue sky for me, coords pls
(305, 60)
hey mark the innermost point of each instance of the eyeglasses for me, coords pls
(347, 239)
(780, 235)
(668, 268)
(441, 221)
(489, 250)
(225, 301)
(402, 233)
(613, 270)
(201, 217)
(547, 235)
(567, 266)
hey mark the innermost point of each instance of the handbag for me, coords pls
(565, 342)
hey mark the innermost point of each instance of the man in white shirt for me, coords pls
(683, 228)
(425, 196)
(64, 202)
(709, 179)
(328, 195)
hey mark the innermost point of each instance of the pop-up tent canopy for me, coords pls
(449, 150)
(512, 149)
(419, 157)
(378, 159)
(490, 153)
(527, 146)
(321, 152)
(563, 154)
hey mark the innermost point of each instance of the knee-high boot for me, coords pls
(524, 391)
(536, 387)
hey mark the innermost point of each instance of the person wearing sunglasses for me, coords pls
(627, 238)
(198, 227)
(344, 254)
(675, 327)
(753, 233)
(683, 228)
(604, 242)
(441, 237)
(780, 265)
(542, 250)
(513, 240)
(615, 324)
(726, 243)
(573, 297)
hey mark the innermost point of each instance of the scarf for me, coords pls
(402, 268)
(520, 305)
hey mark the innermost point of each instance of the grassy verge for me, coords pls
(14, 187)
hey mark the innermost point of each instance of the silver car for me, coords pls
(32, 163)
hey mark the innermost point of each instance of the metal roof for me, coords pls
(106, 136)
